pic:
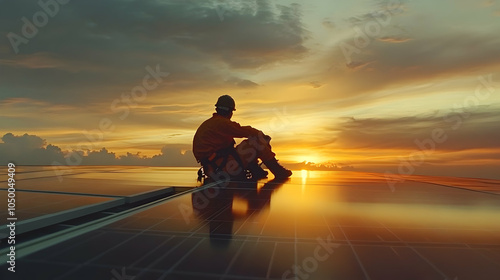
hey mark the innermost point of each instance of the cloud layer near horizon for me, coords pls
(32, 150)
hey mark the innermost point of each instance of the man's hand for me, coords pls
(263, 137)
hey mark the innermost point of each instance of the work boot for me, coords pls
(278, 170)
(257, 171)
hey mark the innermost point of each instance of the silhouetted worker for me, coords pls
(213, 146)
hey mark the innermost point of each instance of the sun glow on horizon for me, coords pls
(313, 158)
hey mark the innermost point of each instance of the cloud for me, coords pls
(97, 48)
(34, 61)
(319, 166)
(171, 155)
(27, 150)
(316, 84)
(423, 59)
(357, 65)
(249, 37)
(488, 3)
(392, 39)
(328, 24)
(382, 11)
(174, 155)
(102, 157)
(24, 141)
(33, 150)
(456, 131)
(242, 83)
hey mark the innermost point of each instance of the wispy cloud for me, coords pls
(34, 61)
(478, 131)
(392, 39)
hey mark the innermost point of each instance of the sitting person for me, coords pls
(214, 146)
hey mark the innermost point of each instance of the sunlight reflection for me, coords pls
(240, 206)
(357, 198)
(304, 174)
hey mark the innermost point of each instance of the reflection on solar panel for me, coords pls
(105, 180)
(31, 205)
(47, 195)
(317, 225)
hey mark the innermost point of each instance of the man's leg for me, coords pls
(259, 147)
(277, 169)
(249, 156)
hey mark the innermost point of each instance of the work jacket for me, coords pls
(218, 133)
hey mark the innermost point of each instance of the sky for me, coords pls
(398, 87)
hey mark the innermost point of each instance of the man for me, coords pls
(213, 146)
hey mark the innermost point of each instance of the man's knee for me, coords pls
(259, 142)
(246, 152)
(255, 147)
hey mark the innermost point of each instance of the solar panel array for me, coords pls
(317, 225)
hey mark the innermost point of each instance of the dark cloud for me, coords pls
(33, 150)
(35, 61)
(27, 150)
(465, 130)
(170, 155)
(420, 59)
(93, 48)
(382, 12)
(24, 141)
(102, 157)
(248, 37)
(316, 84)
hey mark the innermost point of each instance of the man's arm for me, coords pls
(238, 131)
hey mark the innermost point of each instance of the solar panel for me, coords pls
(44, 198)
(148, 176)
(313, 226)
(30, 205)
(31, 172)
(99, 180)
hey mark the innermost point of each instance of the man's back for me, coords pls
(218, 133)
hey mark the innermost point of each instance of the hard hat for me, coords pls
(226, 102)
